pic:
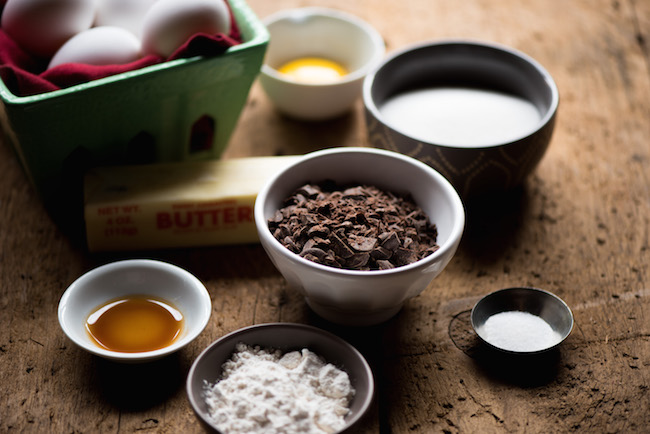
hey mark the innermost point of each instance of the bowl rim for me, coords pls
(547, 117)
(530, 290)
(367, 370)
(450, 245)
(336, 14)
(198, 292)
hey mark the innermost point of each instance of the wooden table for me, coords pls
(580, 227)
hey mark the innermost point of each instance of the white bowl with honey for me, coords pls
(134, 310)
(316, 61)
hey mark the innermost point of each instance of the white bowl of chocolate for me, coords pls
(358, 230)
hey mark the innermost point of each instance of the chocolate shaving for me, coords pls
(355, 227)
(361, 243)
(385, 265)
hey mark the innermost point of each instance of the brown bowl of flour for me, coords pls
(280, 377)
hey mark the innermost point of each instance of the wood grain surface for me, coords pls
(579, 227)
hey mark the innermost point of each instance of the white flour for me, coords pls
(266, 391)
(520, 331)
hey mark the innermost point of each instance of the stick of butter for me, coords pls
(175, 204)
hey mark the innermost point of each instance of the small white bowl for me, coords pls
(134, 277)
(354, 297)
(318, 32)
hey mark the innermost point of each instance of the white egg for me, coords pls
(169, 23)
(127, 14)
(103, 45)
(42, 26)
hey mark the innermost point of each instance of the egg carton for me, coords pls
(180, 110)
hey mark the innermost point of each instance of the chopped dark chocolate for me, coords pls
(355, 227)
(361, 243)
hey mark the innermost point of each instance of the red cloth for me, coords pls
(25, 75)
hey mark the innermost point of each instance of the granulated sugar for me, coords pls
(265, 391)
(519, 331)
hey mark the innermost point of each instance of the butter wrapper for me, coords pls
(175, 205)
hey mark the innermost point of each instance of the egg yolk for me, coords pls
(313, 70)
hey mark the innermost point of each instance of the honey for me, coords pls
(313, 70)
(135, 324)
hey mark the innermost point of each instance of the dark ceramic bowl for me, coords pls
(484, 164)
(286, 337)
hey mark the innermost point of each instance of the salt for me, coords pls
(265, 391)
(519, 331)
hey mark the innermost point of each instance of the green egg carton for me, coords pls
(181, 110)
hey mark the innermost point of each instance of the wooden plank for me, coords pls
(579, 228)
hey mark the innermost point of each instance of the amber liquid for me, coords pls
(135, 324)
